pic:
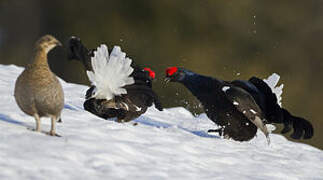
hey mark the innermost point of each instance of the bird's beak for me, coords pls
(59, 43)
(167, 79)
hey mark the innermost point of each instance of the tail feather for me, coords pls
(310, 130)
(276, 114)
(302, 127)
(286, 129)
(272, 82)
(110, 73)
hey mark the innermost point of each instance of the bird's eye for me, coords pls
(94, 91)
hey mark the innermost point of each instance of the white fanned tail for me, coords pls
(272, 82)
(110, 72)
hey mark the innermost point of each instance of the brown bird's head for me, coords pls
(47, 43)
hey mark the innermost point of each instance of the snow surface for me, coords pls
(172, 144)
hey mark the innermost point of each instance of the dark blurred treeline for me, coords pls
(225, 39)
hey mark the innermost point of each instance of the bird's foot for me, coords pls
(213, 130)
(53, 133)
(219, 130)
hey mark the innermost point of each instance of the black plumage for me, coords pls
(238, 107)
(267, 101)
(125, 107)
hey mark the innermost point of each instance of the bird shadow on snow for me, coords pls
(66, 106)
(7, 119)
(149, 122)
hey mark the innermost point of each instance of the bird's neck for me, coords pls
(40, 58)
(199, 84)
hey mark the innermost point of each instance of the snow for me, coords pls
(172, 144)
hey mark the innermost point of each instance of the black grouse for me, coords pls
(267, 101)
(119, 88)
(239, 107)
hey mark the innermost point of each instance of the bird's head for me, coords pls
(47, 43)
(175, 74)
(76, 50)
(151, 74)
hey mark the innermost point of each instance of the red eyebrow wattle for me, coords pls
(152, 74)
(171, 70)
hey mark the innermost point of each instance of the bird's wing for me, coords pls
(244, 103)
(145, 95)
(110, 72)
(122, 103)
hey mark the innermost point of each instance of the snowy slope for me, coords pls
(164, 145)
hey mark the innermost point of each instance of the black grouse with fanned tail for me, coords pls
(238, 107)
(127, 106)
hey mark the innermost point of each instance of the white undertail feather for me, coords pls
(110, 73)
(272, 82)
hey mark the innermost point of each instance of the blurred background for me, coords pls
(224, 39)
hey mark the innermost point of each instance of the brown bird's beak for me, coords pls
(59, 43)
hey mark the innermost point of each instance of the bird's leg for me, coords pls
(52, 131)
(37, 118)
(219, 130)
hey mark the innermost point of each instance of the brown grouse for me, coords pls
(38, 92)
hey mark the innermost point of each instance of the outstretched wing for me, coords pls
(244, 103)
(110, 73)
